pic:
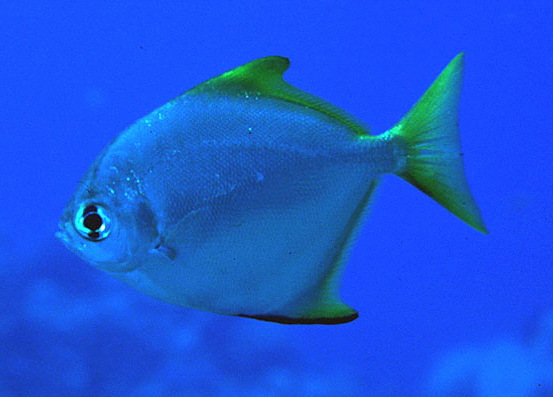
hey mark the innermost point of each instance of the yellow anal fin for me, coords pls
(347, 315)
(325, 306)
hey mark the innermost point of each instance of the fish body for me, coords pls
(242, 195)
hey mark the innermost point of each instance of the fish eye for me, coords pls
(92, 222)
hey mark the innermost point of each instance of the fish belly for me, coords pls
(260, 249)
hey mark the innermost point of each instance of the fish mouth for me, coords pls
(62, 233)
(64, 236)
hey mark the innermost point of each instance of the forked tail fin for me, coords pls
(434, 162)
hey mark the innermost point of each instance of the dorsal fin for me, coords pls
(263, 78)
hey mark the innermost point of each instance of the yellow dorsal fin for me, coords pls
(263, 78)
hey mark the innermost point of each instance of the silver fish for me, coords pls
(242, 195)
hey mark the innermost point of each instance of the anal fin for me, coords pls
(324, 305)
(337, 314)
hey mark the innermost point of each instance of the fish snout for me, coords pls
(65, 236)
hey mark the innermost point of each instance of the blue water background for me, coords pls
(436, 298)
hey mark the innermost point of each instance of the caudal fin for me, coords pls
(434, 161)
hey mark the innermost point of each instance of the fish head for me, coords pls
(108, 223)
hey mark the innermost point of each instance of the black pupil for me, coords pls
(92, 221)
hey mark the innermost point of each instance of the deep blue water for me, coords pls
(444, 310)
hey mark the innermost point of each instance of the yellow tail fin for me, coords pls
(434, 161)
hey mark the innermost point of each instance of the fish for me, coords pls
(243, 195)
